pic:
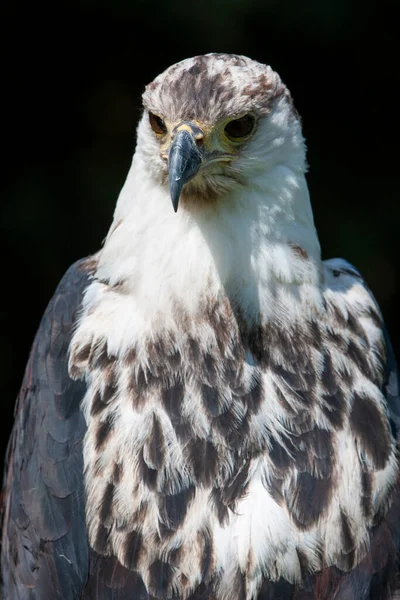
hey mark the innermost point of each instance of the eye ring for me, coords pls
(157, 124)
(240, 128)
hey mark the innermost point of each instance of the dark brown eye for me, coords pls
(239, 128)
(157, 124)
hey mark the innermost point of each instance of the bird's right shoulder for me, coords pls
(44, 548)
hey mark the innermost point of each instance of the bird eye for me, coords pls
(157, 124)
(239, 128)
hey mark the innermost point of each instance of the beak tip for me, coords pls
(175, 193)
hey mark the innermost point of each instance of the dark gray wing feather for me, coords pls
(44, 546)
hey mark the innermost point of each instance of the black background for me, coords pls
(72, 77)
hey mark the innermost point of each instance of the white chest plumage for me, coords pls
(218, 446)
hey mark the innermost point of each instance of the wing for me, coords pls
(377, 576)
(44, 548)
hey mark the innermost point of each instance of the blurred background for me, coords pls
(72, 79)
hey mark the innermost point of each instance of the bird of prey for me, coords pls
(209, 411)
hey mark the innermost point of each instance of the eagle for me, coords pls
(209, 410)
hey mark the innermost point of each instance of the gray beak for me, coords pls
(183, 163)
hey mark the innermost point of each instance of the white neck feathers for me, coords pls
(253, 246)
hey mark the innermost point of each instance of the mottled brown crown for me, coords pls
(214, 86)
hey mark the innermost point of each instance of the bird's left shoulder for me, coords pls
(354, 312)
(349, 302)
(342, 279)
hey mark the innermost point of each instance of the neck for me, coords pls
(249, 247)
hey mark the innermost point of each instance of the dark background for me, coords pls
(72, 77)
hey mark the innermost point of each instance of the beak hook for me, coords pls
(183, 163)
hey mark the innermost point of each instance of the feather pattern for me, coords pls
(266, 450)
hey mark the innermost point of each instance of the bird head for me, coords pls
(220, 136)
(212, 123)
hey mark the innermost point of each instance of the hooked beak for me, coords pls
(184, 160)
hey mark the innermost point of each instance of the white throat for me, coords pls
(254, 246)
